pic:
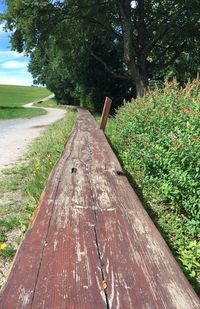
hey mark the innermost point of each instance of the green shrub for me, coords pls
(157, 138)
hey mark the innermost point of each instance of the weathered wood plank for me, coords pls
(106, 110)
(70, 255)
(92, 244)
(139, 269)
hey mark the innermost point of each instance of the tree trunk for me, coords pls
(134, 60)
(141, 88)
(141, 80)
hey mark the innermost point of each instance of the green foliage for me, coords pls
(105, 48)
(175, 231)
(157, 138)
(3, 236)
(10, 222)
(8, 253)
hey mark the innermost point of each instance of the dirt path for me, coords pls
(17, 134)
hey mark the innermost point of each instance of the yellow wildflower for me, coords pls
(3, 246)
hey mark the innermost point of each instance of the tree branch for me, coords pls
(176, 55)
(165, 49)
(164, 29)
(110, 70)
(151, 44)
(97, 22)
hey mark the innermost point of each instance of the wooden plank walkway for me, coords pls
(91, 243)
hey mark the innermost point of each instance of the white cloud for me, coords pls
(7, 56)
(13, 64)
(9, 80)
(3, 32)
(1, 28)
(10, 54)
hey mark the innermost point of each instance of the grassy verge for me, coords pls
(49, 103)
(54, 103)
(13, 97)
(21, 187)
(157, 141)
(20, 112)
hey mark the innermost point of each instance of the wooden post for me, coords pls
(104, 116)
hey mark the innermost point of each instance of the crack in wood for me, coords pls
(101, 265)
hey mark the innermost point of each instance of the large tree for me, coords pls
(132, 41)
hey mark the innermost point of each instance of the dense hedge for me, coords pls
(157, 138)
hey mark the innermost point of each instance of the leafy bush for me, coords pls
(157, 138)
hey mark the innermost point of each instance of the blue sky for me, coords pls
(13, 66)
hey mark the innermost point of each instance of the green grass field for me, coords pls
(12, 98)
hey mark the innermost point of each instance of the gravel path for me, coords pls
(17, 134)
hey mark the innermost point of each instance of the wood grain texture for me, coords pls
(91, 243)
